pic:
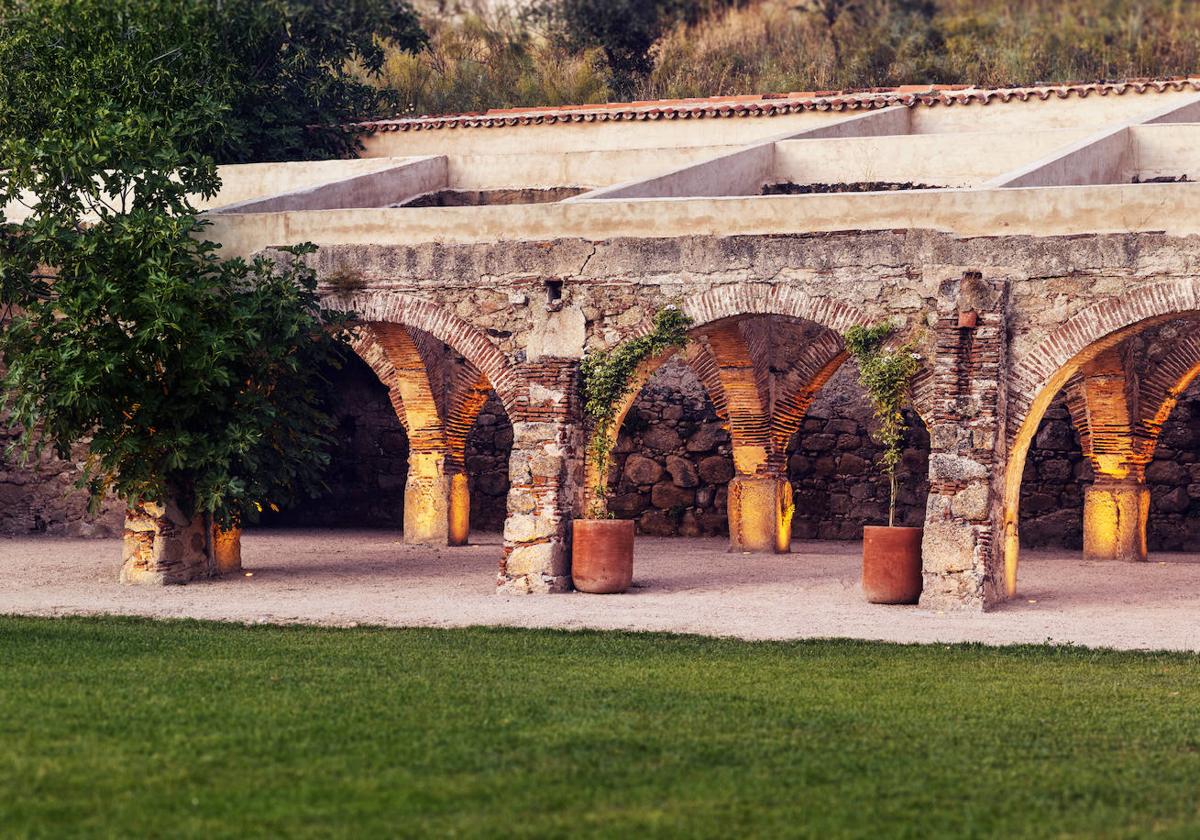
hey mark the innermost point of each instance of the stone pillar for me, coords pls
(426, 499)
(163, 546)
(1114, 519)
(760, 514)
(227, 550)
(962, 554)
(459, 515)
(1104, 405)
(545, 482)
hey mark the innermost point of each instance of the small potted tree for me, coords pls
(891, 554)
(602, 547)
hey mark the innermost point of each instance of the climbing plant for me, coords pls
(608, 379)
(886, 373)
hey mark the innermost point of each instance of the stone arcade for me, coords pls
(1033, 239)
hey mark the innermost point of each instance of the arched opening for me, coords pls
(368, 464)
(1103, 461)
(764, 400)
(833, 465)
(672, 460)
(411, 453)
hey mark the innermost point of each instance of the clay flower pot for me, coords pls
(891, 564)
(602, 555)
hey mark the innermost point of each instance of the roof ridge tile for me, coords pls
(771, 104)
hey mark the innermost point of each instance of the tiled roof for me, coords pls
(775, 104)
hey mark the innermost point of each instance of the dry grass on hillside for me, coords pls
(493, 58)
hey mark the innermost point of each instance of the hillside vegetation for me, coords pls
(570, 51)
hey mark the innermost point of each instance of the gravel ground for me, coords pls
(683, 586)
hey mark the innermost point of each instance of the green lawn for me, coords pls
(136, 728)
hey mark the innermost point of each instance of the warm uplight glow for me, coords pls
(748, 459)
(227, 550)
(1112, 465)
(1114, 521)
(760, 515)
(425, 503)
(460, 510)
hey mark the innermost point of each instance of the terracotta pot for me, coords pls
(602, 555)
(891, 564)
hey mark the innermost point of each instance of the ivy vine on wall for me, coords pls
(607, 381)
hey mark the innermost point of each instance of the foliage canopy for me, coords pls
(187, 376)
(245, 80)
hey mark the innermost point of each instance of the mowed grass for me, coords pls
(117, 727)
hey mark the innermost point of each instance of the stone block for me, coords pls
(850, 464)
(716, 469)
(656, 523)
(972, 502)
(682, 471)
(707, 438)
(164, 546)
(948, 546)
(666, 495)
(641, 470)
(661, 438)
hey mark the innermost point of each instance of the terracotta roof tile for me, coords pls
(772, 104)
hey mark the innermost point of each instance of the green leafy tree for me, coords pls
(187, 377)
(292, 72)
(249, 80)
(886, 373)
(608, 379)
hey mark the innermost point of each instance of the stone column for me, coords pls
(546, 478)
(459, 514)
(164, 546)
(426, 499)
(1104, 406)
(962, 555)
(760, 514)
(1114, 519)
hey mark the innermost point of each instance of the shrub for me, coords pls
(886, 373)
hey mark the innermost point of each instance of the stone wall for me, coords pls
(41, 498)
(673, 462)
(369, 461)
(488, 447)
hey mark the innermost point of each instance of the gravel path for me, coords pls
(685, 586)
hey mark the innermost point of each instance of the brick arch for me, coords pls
(1102, 325)
(439, 322)
(391, 352)
(772, 299)
(737, 364)
(731, 302)
(1159, 391)
(801, 384)
(1046, 367)
(468, 393)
